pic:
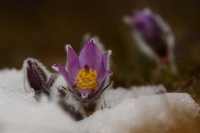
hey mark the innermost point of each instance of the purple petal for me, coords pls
(103, 67)
(101, 83)
(91, 56)
(101, 79)
(73, 65)
(64, 73)
(147, 24)
(105, 59)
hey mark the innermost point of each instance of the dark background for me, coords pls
(40, 29)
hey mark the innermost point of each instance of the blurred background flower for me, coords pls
(40, 29)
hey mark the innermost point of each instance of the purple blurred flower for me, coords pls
(153, 35)
(147, 25)
(86, 74)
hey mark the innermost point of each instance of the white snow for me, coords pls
(138, 109)
(114, 97)
(147, 113)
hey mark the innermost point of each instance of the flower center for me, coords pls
(87, 79)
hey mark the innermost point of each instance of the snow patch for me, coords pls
(138, 109)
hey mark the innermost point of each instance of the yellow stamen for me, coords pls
(87, 79)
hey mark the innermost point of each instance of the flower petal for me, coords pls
(64, 73)
(91, 56)
(146, 24)
(101, 82)
(105, 59)
(73, 65)
(101, 79)
(103, 67)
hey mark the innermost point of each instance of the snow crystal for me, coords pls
(138, 109)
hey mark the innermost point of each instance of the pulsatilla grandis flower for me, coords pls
(86, 75)
(153, 36)
(37, 78)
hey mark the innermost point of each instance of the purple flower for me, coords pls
(86, 74)
(36, 77)
(152, 35)
(147, 25)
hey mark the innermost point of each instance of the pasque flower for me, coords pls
(153, 36)
(37, 78)
(86, 75)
